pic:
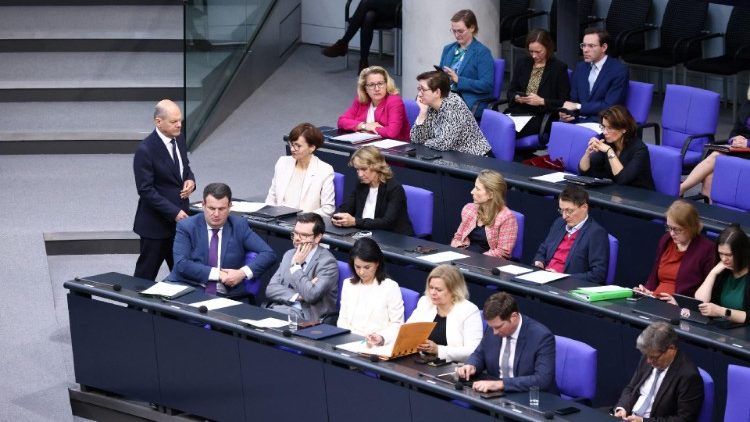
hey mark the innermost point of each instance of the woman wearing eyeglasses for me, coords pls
(683, 257)
(468, 63)
(302, 180)
(378, 108)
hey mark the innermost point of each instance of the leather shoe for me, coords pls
(338, 49)
(363, 63)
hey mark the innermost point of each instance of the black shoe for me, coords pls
(338, 49)
(363, 63)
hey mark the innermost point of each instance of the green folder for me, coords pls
(595, 294)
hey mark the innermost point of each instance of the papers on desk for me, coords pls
(519, 121)
(388, 143)
(440, 257)
(240, 206)
(514, 269)
(556, 177)
(167, 290)
(266, 322)
(410, 336)
(356, 137)
(590, 125)
(218, 303)
(542, 277)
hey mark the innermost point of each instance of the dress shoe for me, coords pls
(339, 48)
(363, 63)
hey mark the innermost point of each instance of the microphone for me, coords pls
(286, 333)
(458, 385)
(495, 271)
(549, 414)
(374, 358)
(116, 287)
(202, 309)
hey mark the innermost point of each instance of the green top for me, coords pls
(733, 292)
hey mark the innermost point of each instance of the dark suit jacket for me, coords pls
(159, 187)
(740, 125)
(533, 362)
(698, 261)
(610, 88)
(588, 258)
(636, 166)
(191, 250)
(390, 209)
(554, 86)
(680, 394)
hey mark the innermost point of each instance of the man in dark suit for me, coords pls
(517, 349)
(666, 385)
(576, 244)
(307, 279)
(210, 248)
(598, 82)
(164, 182)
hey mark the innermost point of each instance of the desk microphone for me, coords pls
(202, 309)
(116, 287)
(374, 358)
(458, 385)
(469, 266)
(495, 271)
(286, 333)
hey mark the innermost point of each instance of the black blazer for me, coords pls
(159, 187)
(680, 394)
(554, 86)
(390, 209)
(635, 161)
(740, 127)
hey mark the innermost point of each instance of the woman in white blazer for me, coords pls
(371, 302)
(459, 323)
(302, 180)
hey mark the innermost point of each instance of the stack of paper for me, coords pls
(542, 277)
(357, 137)
(167, 290)
(266, 322)
(218, 303)
(446, 256)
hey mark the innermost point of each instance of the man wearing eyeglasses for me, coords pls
(209, 249)
(306, 282)
(576, 244)
(666, 385)
(598, 82)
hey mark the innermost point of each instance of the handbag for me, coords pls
(545, 162)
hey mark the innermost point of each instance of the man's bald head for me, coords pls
(168, 118)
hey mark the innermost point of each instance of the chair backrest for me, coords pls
(497, 83)
(682, 18)
(737, 34)
(575, 368)
(338, 188)
(517, 251)
(412, 110)
(614, 246)
(568, 142)
(410, 298)
(508, 10)
(252, 285)
(420, 204)
(625, 15)
(738, 383)
(688, 111)
(730, 188)
(344, 273)
(707, 408)
(638, 102)
(666, 169)
(500, 133)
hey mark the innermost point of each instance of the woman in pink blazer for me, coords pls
(378, 108)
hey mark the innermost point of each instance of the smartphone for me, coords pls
(438, 68)
(429, 156)
(521, 94)
(634, 298)
(438, 363)
(567, 411)
(493, 395)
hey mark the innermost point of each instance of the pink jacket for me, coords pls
(390, 113)
(501, 235)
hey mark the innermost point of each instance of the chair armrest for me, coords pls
(657, 131)
(691, 138)
(495, 105)
(623, 37)
(398, 15)
(526, 16)
(740, 51)
(346, 10)
(681, 47)
(489, 101)
(329, 318)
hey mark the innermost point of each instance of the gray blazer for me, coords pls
(319, 298)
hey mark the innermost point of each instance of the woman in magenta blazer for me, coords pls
(378, 108)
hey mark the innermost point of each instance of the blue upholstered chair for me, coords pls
(497, 87)
(517, 251)
(344, 273)
(569, 142)
(738, 383)
(575, 369)
(410, 298)
(412, 110)
(666, 169)
(500, 133)
(730, 188)
(707, 408)
(638, 102)
(614, 246)
(420, 204)
(338, 189)
(252, 285)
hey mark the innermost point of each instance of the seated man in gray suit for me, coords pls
(307, 279)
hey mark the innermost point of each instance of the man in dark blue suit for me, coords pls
(164, 182)
(517, 349)
(576, 244)
(598, 82)
(210, 248)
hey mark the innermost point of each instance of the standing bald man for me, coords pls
(164, 182)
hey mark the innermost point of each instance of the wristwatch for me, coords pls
(727, 313)
(610, 154)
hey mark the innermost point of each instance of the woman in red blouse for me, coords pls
(487, 225)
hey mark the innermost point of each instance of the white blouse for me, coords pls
(371, 308)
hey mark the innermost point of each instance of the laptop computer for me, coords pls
(320, 331)
(271, 212)
(689, 309)
(656, 309)
(338, 231)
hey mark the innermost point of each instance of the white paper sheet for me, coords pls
(446, 256)
(164, 289)
(514, 269)
(266, 322)
(360, 346)
(356, 137)
(218, 303)
(542, 277)
(388, 143)
(556, 177)
(519, 121)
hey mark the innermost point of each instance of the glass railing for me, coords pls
(218, 33)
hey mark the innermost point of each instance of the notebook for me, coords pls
(657, 309)
(338, 231)
(320, 331)
(274, 211)
(586, 180)
(410, 335)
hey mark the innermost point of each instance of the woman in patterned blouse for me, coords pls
(444, 122)
(487, 225)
